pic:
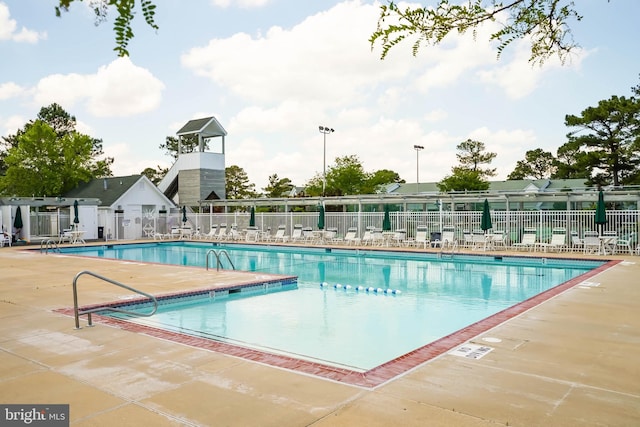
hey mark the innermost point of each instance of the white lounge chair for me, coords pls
(211, 234)
(576, 241)
(222, 232)
(558, 240)
(350, 237)
(528, 240)
(448, 237)
(281, 234)
(5, 239)
(480, 240)
(367, 237)
(297, 236)
(422, 237)
(251, 234)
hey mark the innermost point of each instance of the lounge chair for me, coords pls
(468, 238)
(558, 241)
(281, 234)
(576, 241)
(350, 237)
(367, 237)
(297, 236)
(447, 237)
(422, 237)
(308, 236)
(528, 240)
(211, 234)
(222, 232)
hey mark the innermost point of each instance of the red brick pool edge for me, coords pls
(368, 379)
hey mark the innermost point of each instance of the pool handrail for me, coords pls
(77, 312)
(217, 254)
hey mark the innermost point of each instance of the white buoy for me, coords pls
(397, 291)
(337, 286)
(324, 284)
(359, 288)
(347, 286)
(388, 291)
(379, 290)
(371, 289)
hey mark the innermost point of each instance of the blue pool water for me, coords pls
(344, 326)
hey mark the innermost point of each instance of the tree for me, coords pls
(237, 184)
(610, 134)
(380, 178)
(469, 176)
(56, 163)
(278, 187)
(125, 10)
(471, 155)
(44, 164)
(463, 179)
(537, 164)
(571, 162)
(155, 175)
(544, 22)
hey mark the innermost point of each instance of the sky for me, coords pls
(273, 71)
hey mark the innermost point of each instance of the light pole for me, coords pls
(417, 148)
(324, 131)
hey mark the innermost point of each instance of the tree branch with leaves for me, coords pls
(544, 22)
(122, 26)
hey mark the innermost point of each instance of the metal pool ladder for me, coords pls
(49, 244)
(77, 312)
(444, 254)
(218, 262)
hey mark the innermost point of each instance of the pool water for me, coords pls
(339, 313)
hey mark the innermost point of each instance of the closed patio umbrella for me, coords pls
(76, 219)
(601, 211)
(320, 217)
(252, 217)
(485, 223)
(386, 221)
(184, 214)
(17, 222)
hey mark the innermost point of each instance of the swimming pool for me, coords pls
(355, 326)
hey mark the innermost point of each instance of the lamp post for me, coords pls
(324, 131)
(417, 148)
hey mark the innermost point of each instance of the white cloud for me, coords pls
(435, 115)
(118, 89)
(8, 28)
(10, 90)
(127, 163)
(11, 124)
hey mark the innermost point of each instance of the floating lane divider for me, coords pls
(370, 289)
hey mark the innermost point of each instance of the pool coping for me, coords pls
(369, 379)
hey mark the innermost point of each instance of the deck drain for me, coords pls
(471, 351)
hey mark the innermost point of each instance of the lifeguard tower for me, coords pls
(198, 175)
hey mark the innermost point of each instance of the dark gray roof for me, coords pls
(207, 127)
(108, 190)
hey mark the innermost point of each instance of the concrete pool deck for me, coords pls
(571, 361)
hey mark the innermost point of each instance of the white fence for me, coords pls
(512, 222)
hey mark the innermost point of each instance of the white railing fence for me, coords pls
(624, 222)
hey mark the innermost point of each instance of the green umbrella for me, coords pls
(601, 211)
(184, 214)
(17, 222)
(252, 217)
(485, 223)
(386, 221)
(320, 217)
(76, 219)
